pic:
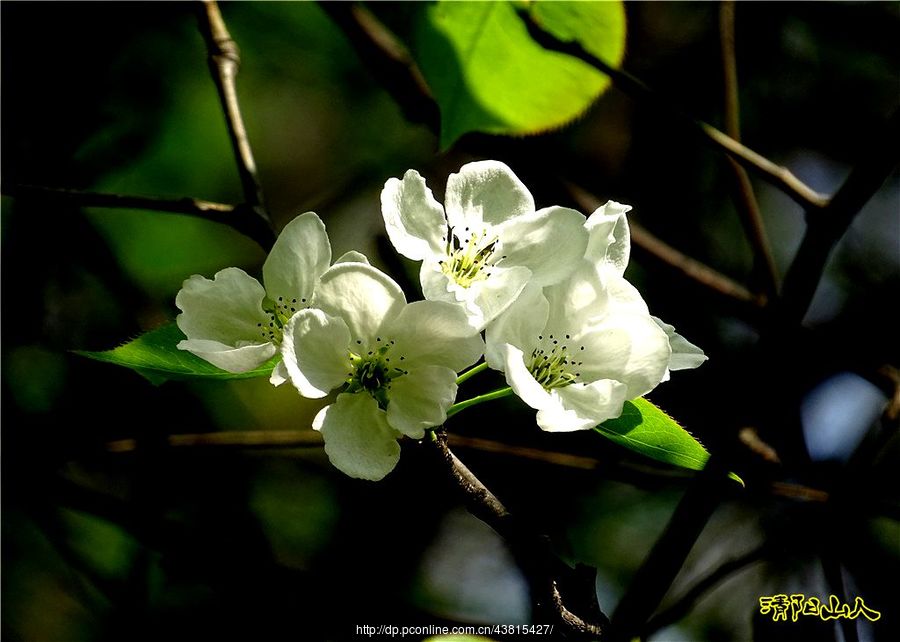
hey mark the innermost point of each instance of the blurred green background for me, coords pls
(161, 542)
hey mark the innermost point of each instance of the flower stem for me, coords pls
(474, 370)
(488, 396)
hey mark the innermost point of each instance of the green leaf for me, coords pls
(646, 429)
(155, 355)
(488, 74)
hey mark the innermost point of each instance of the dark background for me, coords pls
(163, 542)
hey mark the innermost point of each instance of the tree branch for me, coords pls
(224, 62)
(778, 176)
(826, 227)
(240, 217)
(742, 189)
(231, 439)
(387, 59)
(659, 569)
(689, 267)
(535, 556)
(686, 602)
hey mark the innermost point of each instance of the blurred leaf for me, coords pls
(646, 429)
(155, 355)
(36, 377)
(488, 74)
(104, 547)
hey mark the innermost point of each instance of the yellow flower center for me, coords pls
(470, 260)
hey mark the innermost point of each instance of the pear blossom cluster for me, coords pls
(540, 294)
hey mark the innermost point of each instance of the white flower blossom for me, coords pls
(393, 363)
(234, 322)
(573, 354)
(609, 249)
(486, 243)
(577, 350)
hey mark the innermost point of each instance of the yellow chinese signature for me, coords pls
(780, 606)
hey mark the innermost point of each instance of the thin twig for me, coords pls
(686, 602)
(224, 62)
(778, 176)
(689, 267)
(729, 69)
(240, 217)
(232, 439)
(387, 59)
(826, 227)
(533, 551)
(750, 438)
(742, 191)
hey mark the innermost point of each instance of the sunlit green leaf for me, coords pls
(646, 429)
(489, 75)
(155, 356)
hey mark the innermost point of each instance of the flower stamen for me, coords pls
(553, 369)
(469, 261)
(279, 312)
(373, 373)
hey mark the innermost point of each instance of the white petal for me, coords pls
(279, 374)
(685, 355)
(361, 295)
(352, 257)
(227, 357)
(549, 242)
(610, 237)
(520, 325)
(436, 285)
(485, 192)
(577, 300)
(358, 440)
(299, 257)
(493, 295)
(434, 333)
(315, 352)
(413, 219)
(582, 406)
(420, 400)
(521, 381)
(227, 309)
(626, 347)
(622, 293)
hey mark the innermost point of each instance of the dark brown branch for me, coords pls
(387, 59)
(778, 176)
(689, 267)
(826, 227)
(694, 269)
(729, 69)
(686, 602)
(535, 556)
(235, 439)
(659, 569)
(297, 439)
(742, 189)
(240, 217)
(224, 62)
